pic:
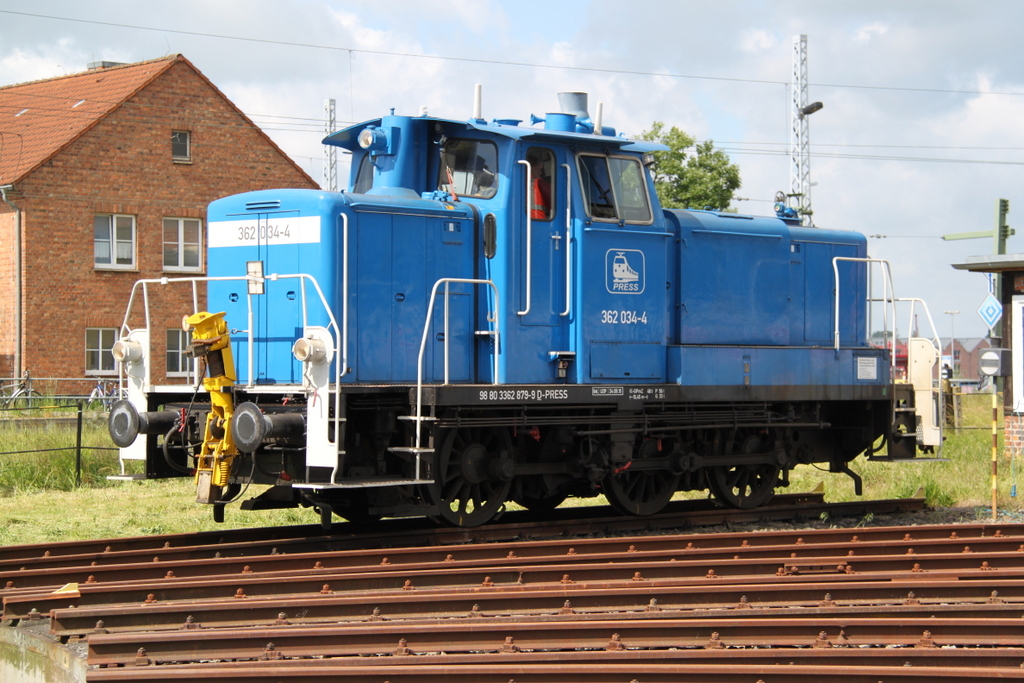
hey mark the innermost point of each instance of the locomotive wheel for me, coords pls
(539, 492)
(640, 492)
(464, 491)
(745, 486)
(545, 504)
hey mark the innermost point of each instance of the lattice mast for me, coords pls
(330, 181)
(799, 140)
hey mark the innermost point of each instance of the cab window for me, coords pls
(469, 168)
(614, 188)
(542, 179)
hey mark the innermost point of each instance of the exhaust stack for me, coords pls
(574, 103)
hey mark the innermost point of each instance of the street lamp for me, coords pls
(809, 109)
(952, 339)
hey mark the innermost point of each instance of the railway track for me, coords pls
(874, 604)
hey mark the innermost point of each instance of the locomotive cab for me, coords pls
(497, 312)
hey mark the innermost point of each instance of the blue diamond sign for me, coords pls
(991, 310)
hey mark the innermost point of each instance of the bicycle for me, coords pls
(103, 395)
(23, 395)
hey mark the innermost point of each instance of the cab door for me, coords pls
(542, 307)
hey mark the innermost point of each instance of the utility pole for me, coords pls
(999, 233)
(952, 342)
(330, 182)
(799, 134)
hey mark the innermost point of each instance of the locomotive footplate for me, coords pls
(631, 396)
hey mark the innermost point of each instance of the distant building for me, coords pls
(105, 177)
(966, 354)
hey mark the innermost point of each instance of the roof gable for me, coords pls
(40, 118)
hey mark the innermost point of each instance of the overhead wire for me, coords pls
(298, 124)
(502, 62)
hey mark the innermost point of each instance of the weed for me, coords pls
(30, 511)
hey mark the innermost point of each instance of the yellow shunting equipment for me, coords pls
(211, 344)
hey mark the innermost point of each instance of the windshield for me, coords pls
(469, 168)
(364, 178)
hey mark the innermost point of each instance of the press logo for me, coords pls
(624, 271)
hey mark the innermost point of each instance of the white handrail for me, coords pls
(568, 239)
(928, 314)
(343, 356)
(250, 323)
(426, 332)
(886, 286)
(303, 277)
(529, 233)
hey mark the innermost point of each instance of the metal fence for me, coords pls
(40, 409)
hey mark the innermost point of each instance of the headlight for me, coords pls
(126, 351)
(308, 350)
(373, 139)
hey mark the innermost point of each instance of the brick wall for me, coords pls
(7, 221)
(123, 165)
(1013, 435)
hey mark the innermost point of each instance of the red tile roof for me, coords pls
(40, 118)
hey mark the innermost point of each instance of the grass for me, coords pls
(53, 466)
(40, 502)
(963, 479)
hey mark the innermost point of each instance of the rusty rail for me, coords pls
(936, 603)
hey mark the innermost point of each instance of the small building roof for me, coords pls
(992, 263)
(970, 344)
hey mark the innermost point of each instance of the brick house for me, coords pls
(968, 356)
(104, 179)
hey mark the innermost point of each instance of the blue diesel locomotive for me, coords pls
(498, 312)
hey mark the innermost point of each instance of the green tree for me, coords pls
(689, 175)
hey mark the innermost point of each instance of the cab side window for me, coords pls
(614, 188)
(630, 189)
(542, 183)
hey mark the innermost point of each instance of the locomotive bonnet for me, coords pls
(496, 312)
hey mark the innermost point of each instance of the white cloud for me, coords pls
(867, 32)
(757, 40)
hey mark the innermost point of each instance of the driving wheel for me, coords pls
(640, 491)
(467, 489)
(745, 486)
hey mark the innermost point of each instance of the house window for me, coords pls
(98, 358)
(182, 242)
(181, 145)
(113, 241)
(178, 364)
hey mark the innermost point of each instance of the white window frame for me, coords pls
(180, 245)
(112, 242)
(618, 204)
(188, 145)
(185, 363)
(106, 356)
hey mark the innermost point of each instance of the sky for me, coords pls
(922, 129)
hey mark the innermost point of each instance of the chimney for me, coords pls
(99, 66)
